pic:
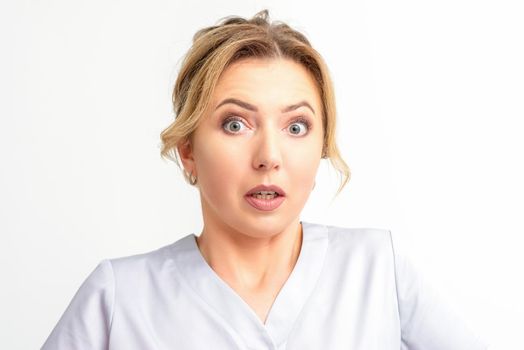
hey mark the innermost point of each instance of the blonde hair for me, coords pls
(215, 48)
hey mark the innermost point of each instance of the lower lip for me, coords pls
(265, 204)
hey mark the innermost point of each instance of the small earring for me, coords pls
(192, 179)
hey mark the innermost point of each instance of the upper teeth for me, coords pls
(265, 192)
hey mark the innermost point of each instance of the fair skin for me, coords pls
(255, 251)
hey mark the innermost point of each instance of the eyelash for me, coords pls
(302, 120)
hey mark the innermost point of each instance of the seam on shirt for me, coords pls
(304, 308)
(225, 322)
(396, 282)
(114, 295)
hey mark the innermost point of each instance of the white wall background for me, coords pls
(430, 97)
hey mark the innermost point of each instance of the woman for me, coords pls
(255, 113)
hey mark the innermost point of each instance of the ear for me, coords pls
(185, 151)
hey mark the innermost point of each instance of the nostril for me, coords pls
(265, 165)
(267, 162)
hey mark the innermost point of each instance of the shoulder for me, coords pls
(355, 239)
(153, 260)
(359, 235)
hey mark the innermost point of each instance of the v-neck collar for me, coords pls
(235, 311)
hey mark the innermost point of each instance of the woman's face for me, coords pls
(263, 127)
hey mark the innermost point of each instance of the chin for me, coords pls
(265, 226)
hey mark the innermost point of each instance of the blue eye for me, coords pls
(232, 125)
(299, 127)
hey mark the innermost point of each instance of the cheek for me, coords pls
(218, 165)
(303, 164)
(302, 170)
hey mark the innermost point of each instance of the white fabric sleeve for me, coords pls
(427, 322)
(86, 322)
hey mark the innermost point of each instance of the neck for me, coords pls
(251, 263)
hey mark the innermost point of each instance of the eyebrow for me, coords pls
(250, 107)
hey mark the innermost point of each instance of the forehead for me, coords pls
(267, 82)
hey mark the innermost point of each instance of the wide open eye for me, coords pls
(233, 125)
(299, 127)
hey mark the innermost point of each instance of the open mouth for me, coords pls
(265, 195)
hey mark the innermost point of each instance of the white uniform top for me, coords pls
(348, 290)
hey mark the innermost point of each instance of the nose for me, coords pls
(267, 153)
